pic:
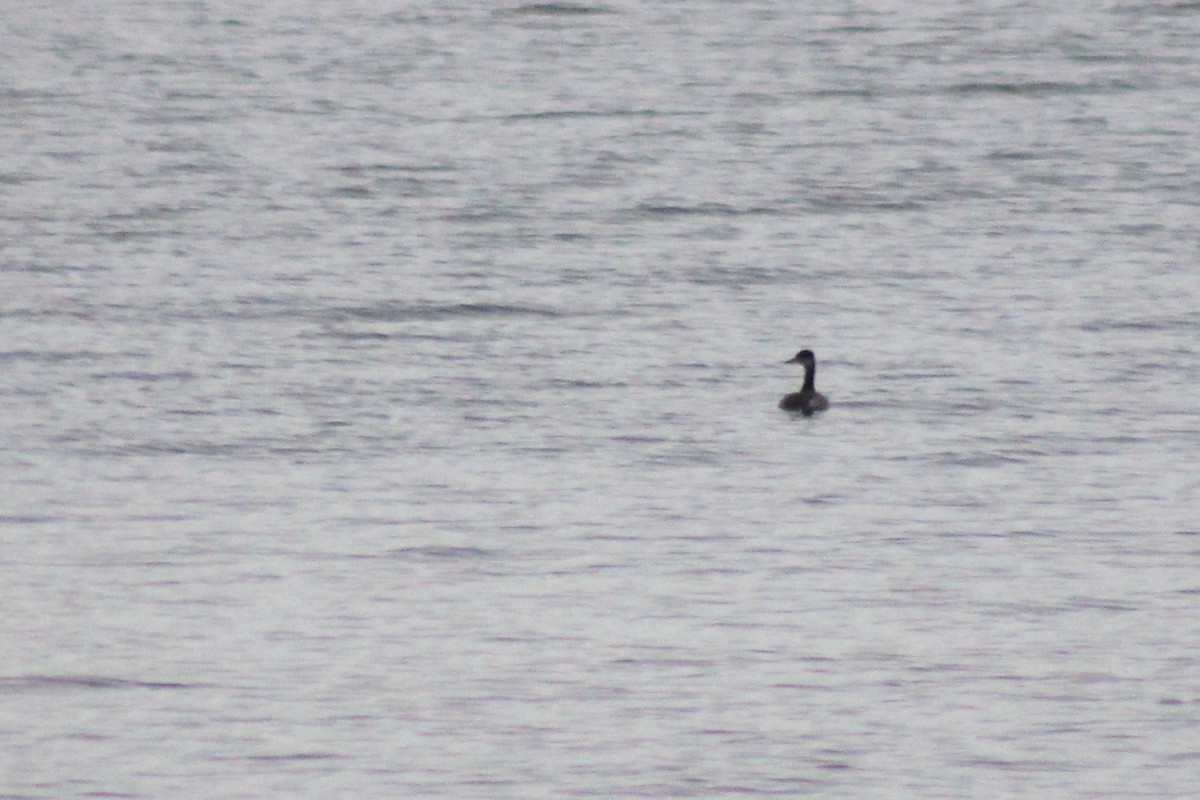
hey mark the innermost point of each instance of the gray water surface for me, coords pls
(389, 400)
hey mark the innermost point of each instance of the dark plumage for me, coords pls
(808, 400)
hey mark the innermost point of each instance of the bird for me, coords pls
(808, 400)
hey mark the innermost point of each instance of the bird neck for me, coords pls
(810, 379)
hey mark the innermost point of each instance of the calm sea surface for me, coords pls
(389, 400)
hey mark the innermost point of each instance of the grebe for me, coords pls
(808, 400)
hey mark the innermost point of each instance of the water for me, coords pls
(389, 400)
